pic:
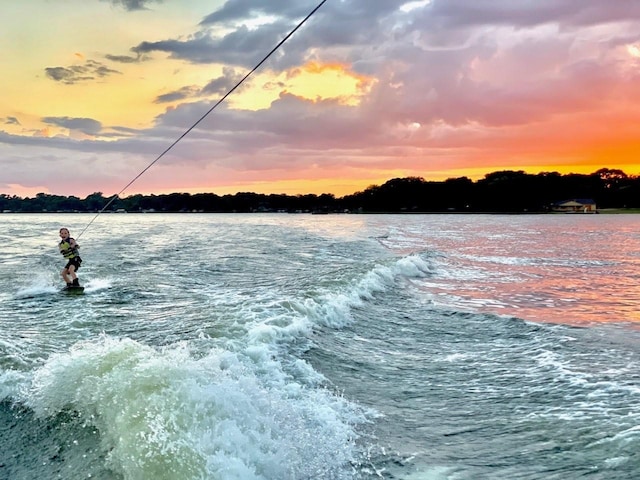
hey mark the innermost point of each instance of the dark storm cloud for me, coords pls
(84, 125)
(79, 73)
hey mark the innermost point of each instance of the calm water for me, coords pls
(322, 347)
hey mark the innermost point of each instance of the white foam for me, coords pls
(334, 308)
(96, 284)
(12, 382)
(40, 284)
(165, 414)
(413, 266)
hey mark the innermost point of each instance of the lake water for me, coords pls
(276, 346)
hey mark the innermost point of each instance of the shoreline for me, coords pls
(605, 211)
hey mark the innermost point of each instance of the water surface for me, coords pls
(276, 346)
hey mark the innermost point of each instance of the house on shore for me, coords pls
(575, 205)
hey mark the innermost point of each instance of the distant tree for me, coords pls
(611, 177)
(458, 194)
(500, 191)
(509, 191)
(95, 202)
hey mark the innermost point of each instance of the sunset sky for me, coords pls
(92, 91)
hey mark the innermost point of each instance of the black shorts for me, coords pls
(75, 261)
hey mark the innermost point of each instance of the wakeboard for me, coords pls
(73, 289)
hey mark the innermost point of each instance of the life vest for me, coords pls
(66, 250)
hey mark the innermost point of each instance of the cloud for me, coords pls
(132, 5)
(124, 58)
(84, 125)
(336, 25)
(10, 121)
(221, 85)
(218, 86)
(65, 75)
(181, 94)
(446, 14)
(243, 47)
(241, 10)
(89, 71)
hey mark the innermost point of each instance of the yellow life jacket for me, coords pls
(66, 250)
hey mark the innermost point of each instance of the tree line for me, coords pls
(501, 192)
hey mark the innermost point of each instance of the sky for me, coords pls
(93, 91)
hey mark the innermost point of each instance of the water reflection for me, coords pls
(551, 268)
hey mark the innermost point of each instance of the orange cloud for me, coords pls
(313, 81)
(321, 81)
(43, 132)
